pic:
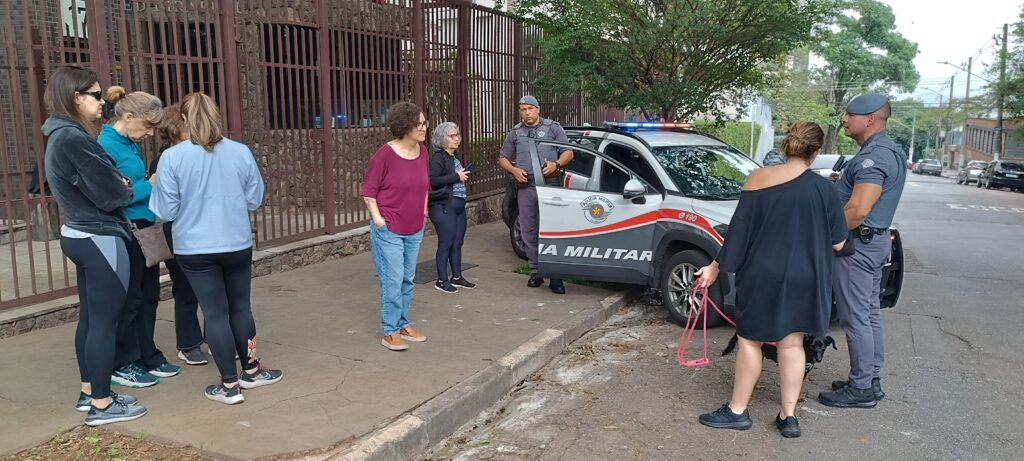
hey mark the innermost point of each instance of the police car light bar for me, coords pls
(635, 125)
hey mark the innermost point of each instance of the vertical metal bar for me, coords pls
(419, 72)
(96, 24)
(232, 76)
(326, 108)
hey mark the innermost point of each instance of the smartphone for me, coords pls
(470, 168)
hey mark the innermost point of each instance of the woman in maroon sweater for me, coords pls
(395, 191)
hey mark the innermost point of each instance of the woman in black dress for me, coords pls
(780, 245)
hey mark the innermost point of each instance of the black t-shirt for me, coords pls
(779, 245)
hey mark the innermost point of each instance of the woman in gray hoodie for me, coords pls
(91, 194)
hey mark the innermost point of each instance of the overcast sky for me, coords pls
(948, 30)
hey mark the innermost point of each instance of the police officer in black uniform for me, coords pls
(870, 186)
(515, 160)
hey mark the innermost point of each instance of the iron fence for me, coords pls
(304, 83)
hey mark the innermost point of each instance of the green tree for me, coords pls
(1013, 86)
(668, 59)
(862, 52)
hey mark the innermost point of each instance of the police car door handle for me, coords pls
(555, 201)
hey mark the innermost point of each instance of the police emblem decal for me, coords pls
(541, 133)
(867, 163)
(597, 208)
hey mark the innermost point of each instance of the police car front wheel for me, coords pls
(677, 282)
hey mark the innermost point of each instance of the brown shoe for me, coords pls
(394, 342)
(409, 334)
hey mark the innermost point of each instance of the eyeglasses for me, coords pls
(423, 124)
(96, 94)
(455, 136)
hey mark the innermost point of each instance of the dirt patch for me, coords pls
(92, 444)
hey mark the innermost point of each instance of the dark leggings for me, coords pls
(186, 307)
(450, 223)
(138, 321)
(222, 283)
(103, 271)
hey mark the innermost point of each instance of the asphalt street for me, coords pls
(953, 372)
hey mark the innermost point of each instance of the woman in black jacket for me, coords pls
(91, 194)
(448, 206)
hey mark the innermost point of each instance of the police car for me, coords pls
(646, 204)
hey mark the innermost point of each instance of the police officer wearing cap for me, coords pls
(870, 186)
(515, 160)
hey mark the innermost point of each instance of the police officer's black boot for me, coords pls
(557, 286)
(535, 281)
(848, 397)
(876, 387)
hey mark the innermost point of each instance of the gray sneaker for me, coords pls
(262, 377)
(85, 400)
(222, 394)
(193, 357)
(117, 412)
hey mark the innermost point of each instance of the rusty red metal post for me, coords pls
(327, 118)
(419, 53)
(232, 74)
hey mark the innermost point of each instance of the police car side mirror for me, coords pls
(633, 189)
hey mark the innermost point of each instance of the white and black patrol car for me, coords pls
(646, 204)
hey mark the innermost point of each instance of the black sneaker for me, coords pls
(876, 387)
(789, 427)
(262, 377)
(724, 418)
(117, 412)
(848, 397)
(535, 281)
(85, 400)
(557, 287)
(222, 394)
(444, 286)
(462, 283)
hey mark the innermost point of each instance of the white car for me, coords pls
(645, 204)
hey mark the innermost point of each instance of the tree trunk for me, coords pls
(831, 138)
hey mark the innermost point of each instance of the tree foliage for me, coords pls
(862, 52)
(1013, 86)
(668, 59)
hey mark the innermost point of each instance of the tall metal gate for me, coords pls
(304, 83)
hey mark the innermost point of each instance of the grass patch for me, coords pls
(525, 270)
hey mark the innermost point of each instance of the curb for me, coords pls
(413, 433)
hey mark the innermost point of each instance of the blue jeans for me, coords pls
(395, 257)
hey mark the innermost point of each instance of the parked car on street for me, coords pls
(929, 166)
(1000, 174)
(826, 164)
(647, 204)
(969, 173)
(916, 169)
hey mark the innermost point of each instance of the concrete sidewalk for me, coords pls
(320, 324)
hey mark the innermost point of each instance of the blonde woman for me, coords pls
(140, 363)
(213, 239)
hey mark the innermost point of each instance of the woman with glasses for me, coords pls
(133, 119)
(448, 207)
(395, 190)
(91, 193)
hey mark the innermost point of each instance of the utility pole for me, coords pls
(1002, 97)
(963, 134)
(949, 123)
(913, 135)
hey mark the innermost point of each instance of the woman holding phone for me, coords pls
(447, 206)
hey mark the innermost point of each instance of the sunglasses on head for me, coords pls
(96, 94)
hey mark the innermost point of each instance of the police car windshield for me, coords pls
(706, 172)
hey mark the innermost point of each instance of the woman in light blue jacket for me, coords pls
(207, 185)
